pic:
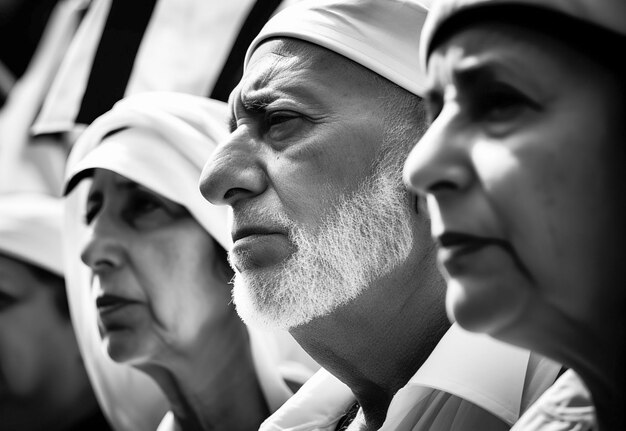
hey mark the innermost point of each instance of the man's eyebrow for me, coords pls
(255, 104)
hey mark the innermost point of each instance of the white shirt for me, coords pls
(469, 382)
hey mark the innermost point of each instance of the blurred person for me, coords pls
(329, 245)
(523, 166)
(157, 254)
(43, 383)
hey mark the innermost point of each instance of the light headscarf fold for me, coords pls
(382, 35)
(181, 132)
(31, 229)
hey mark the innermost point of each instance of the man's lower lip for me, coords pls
(261, 250)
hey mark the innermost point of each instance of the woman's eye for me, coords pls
(92, 208)
(6, 300)
(141, 208)
(501, 104)
(144, 205)
(434, 105)
(146, 211)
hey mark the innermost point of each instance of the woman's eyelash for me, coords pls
(6, 300)
(92, 208)
(500, 102)
(88, 217)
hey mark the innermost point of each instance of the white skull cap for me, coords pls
(381, 35)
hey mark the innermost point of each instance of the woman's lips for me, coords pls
(108, 303)
(460, 252)
(461, 243)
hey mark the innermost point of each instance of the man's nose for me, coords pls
(235, 170)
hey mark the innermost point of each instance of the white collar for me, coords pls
(474, 367)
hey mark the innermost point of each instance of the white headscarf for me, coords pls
(190, 128)
(382, 35)
(31, 229)
(184, 130)
(608, 14)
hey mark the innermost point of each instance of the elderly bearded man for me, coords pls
(330, 246)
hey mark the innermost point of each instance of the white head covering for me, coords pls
(608, 14)
(186, 130)
(382, 35)
(180, 132)
(31, 229)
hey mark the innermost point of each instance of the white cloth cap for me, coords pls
(382, 35)
(31, 229)
(180, 132)
(608, 14)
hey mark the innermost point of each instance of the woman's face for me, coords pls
(159, 283)
(523, 168)
(40, 368)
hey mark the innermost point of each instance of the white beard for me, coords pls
(361, 239)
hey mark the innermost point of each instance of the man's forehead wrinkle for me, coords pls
(270, 78)
(268, 65)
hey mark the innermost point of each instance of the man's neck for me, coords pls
(377, 343)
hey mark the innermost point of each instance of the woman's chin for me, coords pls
(482, 309)
(122, 346)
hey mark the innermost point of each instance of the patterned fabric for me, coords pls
(347, 419)
(566, 406)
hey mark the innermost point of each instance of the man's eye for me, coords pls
(278, 118)
(281, 125)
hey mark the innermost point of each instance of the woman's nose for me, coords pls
(234, 171)
(103, 245)
(439, 162)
